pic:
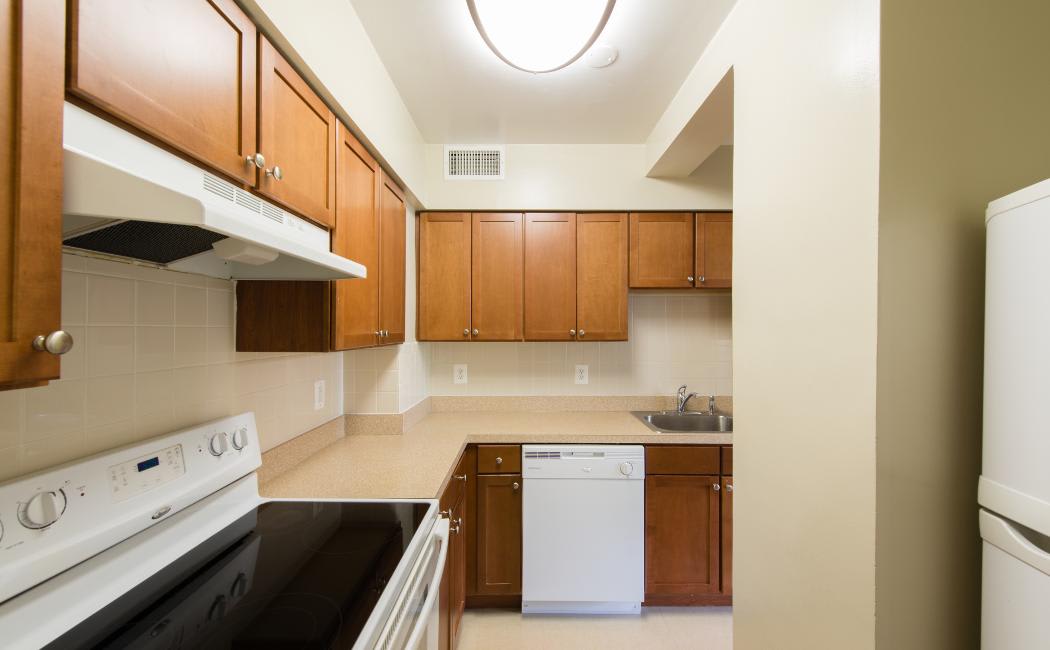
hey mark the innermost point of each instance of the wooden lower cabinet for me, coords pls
(453, 596)
(727, 535)
(499, 535)
(682, 521)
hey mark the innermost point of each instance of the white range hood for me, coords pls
(125, 197)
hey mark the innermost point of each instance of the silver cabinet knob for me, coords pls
(716, 486)
(475, 332)
(572, 332)
(461, 477)
(690, 278)
(386, 332)
(466, 332)
(582, 334)
(514, 486)
(379, 333)
(701, 279)
(729, 488)
(256, 159)
(499, 460)
(275, 173)
(57, 342)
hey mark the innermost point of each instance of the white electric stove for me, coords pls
(167, 544)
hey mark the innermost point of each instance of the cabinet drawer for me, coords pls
(681, 459)
(499, 459)
(727, 461)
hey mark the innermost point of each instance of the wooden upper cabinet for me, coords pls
(714, 250)
(662, 249)
(356, 237)
(681, 537)
(550, 276)
(499, 535)
(496, 282)
(182, 72)
(297, 134)
(31, 81)
(601, 277)
(391, 262)
(444, 276)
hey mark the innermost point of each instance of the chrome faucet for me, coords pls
(683, 398)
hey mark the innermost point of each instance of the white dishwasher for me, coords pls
(583, 547)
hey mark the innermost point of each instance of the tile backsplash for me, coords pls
(154, 351)
(674, 339)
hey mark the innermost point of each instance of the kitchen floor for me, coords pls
(692, 628)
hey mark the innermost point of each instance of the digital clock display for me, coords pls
(146, 464)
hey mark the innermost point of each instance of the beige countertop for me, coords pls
(416, 464)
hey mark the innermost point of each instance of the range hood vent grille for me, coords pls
(160, 243)
(481, 162)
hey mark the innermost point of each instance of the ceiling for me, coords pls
(459, 92)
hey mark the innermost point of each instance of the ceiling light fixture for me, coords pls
(540, 36)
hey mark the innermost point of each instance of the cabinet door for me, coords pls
(297, 134)
(662, 249)
(714, 250)
(31, 81)
(550, 276)
(601, 277)
(727, 535)
(499, 535)
(356, 237)
(444, 276)
(391, 262)
(681, 535)
(182, 72)
(458, 550)
(496, 273)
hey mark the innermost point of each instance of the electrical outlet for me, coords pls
(581, 374)
(459, 373)
(318, 394)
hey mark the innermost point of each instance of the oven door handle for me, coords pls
(440, 531)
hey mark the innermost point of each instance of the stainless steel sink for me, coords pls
(688, 422)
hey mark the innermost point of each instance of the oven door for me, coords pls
(413, 622)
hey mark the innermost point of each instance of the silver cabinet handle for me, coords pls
(57, 342)
(572, 332)
(475, 332)
(499, 460)
(690, 278)
(716, 486)
(582, 334)
(514, 486)
(461, 477)
(275, 173)
(256, 159)
(466, 332)
(729, 488)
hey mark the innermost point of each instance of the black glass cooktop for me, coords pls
(288, 574)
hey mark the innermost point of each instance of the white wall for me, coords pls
(674, 339)
(805, 200)
(154, 352)
(581, 177)
(964, 120)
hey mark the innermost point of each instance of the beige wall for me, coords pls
(965, 104)
(581, 177)
(805, 198)
(674, 339)
(154, 352)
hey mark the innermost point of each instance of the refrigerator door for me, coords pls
(1015, 586)
(1015, 479)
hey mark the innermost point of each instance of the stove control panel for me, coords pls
(54, 519)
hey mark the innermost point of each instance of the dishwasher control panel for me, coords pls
(623, 462)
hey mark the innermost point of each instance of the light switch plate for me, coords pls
(318, 394)
(581, 374)
(459, 373)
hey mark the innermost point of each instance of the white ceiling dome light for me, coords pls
(540, 36)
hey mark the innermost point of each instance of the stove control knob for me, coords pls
(217, 609)
(42, 509)
(240, 438)
(626, 468)
(239, 586)
(218, 445)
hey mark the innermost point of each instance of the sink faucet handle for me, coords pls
(711, 404)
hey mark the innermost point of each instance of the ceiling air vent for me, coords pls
(475, 162)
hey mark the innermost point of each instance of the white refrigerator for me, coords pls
(1014, 487)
